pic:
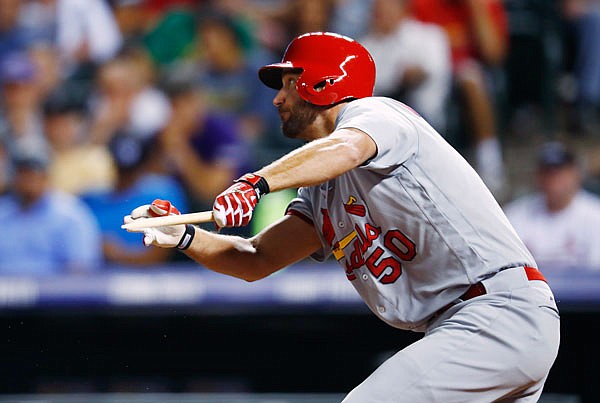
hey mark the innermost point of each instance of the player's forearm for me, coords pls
(231, 255)
(319, 160)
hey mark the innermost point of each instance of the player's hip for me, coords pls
(511, 299)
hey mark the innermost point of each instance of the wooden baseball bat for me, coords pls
(151, 222)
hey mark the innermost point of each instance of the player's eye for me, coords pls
(290, 80)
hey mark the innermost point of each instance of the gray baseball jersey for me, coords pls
(414, 226)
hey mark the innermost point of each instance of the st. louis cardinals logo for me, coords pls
(384, 261)
(353, 208)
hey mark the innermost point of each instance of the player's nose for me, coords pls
(279, 97)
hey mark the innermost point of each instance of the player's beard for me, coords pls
(302, 115)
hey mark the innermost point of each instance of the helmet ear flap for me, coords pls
(317, 89)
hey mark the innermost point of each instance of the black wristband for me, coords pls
(258, 183)
(262, 186)
(187, 237)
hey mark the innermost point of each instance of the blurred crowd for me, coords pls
(109, 104)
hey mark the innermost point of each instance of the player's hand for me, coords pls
(234, 207)
(179, 236)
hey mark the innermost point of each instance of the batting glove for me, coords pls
(173, 236)
(234, 207)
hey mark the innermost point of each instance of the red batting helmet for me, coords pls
(334, 68)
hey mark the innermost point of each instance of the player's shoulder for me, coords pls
(381, 105)
(385, 114)
(367, 101)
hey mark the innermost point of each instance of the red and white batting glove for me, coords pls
(234, 207)
(172, 236)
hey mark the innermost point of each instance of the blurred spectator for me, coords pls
(530, 71)
(84, 31)
(68, 39)
(201, 147)
(136, 183)
(172, 38)
(263, 17)
(13, 36)
(560, 223)
(477, 30)
(348, 17)
(5, 169)
(45, 231)
(127, 99)
(308, 16)
(584, 19)
(227, 76)
(38, 19)
(245, 16)
(77, 166)
(20, 119)
(131, 17)
(157, 8)
(45, 58)
(412, 60)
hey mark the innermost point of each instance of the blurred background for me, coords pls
(108, 104)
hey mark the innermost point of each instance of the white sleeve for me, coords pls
(302, 207)
(389, 124)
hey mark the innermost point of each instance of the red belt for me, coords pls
(478, 289)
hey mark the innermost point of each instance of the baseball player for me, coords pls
(414, 228)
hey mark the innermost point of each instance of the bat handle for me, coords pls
(152, 222)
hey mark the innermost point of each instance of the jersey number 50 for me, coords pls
(391, 267)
